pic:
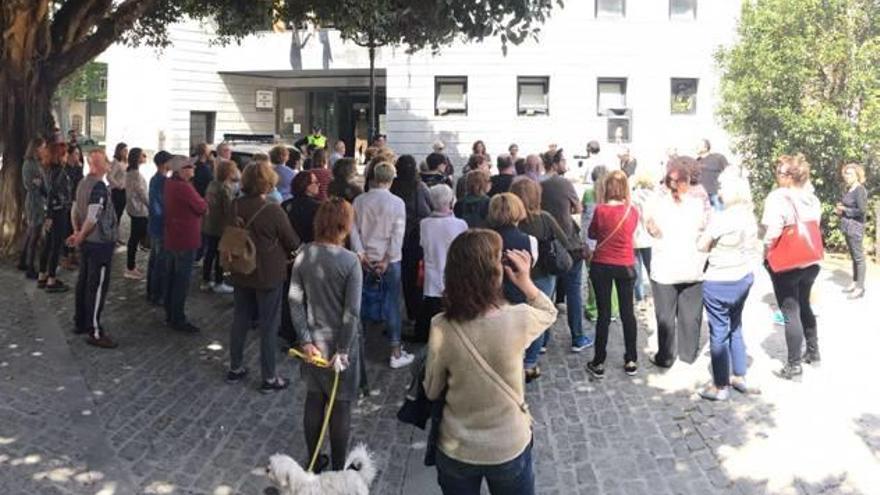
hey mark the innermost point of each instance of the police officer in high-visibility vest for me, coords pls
(317, 139)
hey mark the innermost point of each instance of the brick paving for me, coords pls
(154, 416)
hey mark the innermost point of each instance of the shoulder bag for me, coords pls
(553, 258)
(799, 245)
(491, 373)
(617, 227)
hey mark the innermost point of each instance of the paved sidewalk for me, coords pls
(155, 416)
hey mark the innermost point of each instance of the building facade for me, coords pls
(633, 73)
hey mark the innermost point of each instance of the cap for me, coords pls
(162, 158)
(178, 162)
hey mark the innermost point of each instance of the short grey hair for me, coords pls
(383, 173)
(441, 196)
(734, 187)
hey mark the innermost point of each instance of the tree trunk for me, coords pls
(25, 114)
(373, 126)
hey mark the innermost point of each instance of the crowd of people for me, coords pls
(472, 266)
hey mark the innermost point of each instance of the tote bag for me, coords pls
(799, 245)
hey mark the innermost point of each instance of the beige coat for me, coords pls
(481, 424)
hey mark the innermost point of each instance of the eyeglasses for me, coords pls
(186, 167)
(782, 173)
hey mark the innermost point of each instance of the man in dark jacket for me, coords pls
(184, 209)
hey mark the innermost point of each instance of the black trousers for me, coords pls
(135, 237)
(211, 261)
(340, 426)
(679, 311)
(287, 330)
(792, 289)
(92, 286)
(854, 235)
(409, 267)
(603, 276)
(54, 245)
(430, 307)
(118, 198)
(29, 250)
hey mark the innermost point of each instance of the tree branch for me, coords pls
(108, 30)
(75, 20)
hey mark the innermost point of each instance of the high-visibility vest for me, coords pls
(319, 141)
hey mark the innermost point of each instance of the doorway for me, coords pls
(201, 128)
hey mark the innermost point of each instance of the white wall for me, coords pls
(574, 50)
(150, 93)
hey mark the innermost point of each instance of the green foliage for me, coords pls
(417, 25)
(85, 83)
(804, 77)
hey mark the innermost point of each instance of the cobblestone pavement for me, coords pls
(154, 416)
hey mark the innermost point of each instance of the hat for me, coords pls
(162, 157)
(178, 162)
(439, 146)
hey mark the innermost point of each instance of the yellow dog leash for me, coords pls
(320, 362)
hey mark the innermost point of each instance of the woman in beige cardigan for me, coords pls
(475, 353)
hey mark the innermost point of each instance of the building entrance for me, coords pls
(341, 113)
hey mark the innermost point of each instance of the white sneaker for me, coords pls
(206, 286)
(222, 288)
(405, 359)
(134, 274)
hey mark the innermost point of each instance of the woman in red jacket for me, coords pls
(613, 225)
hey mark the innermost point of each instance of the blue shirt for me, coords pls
(285, 177)
(156, 223)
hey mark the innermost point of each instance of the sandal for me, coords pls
(532, 374)
(274, 386)
(57, 287)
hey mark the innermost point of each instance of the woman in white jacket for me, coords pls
(675, 220)
(791, 201)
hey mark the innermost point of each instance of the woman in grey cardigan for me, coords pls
(731, 239)
(137, 207)
(325, 300)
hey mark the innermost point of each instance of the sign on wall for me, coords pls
(265, 99)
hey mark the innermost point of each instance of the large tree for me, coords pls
(42, 42)
(804, 76)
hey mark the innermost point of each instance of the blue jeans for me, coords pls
(643, 263)
(545, 284)
(390, 302)
(515, 477)
(724, 302)
(156, 272)
(572, 285)
(179, 272)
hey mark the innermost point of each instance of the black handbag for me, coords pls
(421, 412)
(553, 257)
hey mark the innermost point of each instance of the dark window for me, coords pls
(685, 10)
(610, 9)
(201, 128)
(450, 95)
(683, 96)
(532, 96)
(610, 95)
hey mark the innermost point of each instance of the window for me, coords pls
(610, 9)
(684, 10)
(611, 94)
(201, 128)
(683, 96)
(532, 96)
(450, 95)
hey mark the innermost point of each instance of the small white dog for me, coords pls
(355, 479)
